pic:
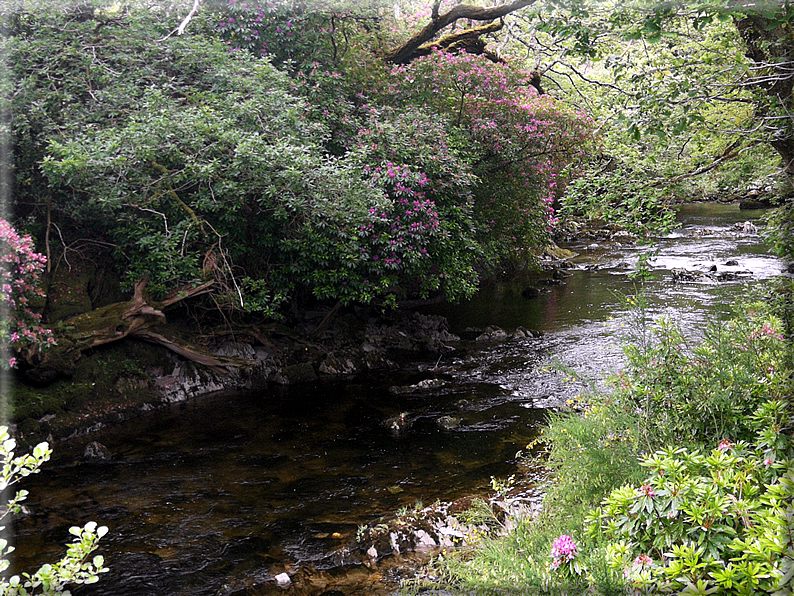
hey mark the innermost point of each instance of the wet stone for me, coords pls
(97, 452)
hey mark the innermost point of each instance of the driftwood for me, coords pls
(422, 42)
(138, 318)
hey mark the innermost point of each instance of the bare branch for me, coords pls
(185, 22)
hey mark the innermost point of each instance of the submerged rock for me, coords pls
(426, 385)
(398, 424)
(448, 422)
(296, 373)
(97, 452)
(283, 579)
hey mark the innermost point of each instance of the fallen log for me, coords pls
(138, 318)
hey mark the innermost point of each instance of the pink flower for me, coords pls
(642, 560)
(724, 445)
(563, 548)
(647, 490)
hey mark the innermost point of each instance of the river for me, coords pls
(218, 495)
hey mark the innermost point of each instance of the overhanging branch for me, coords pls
(408, 51)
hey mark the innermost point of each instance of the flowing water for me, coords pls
(220, 494)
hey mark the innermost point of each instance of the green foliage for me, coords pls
(619, 195)
(602, 439)
(76, 567)
(705, 523)
(704, 393)
(516, 143)
(702, 522)
(780, 230)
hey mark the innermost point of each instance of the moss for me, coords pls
(106, 380)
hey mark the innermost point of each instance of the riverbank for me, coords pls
(687, 462)
(117, 382)
(239, 488)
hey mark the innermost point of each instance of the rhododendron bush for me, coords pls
(20, 276)
(516, 143)
(336, 178)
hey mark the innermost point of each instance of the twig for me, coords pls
(183, 25)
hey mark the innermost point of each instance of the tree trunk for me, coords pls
(136, 318)
(771, 47)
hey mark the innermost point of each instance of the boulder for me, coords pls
(97, 452)
(296, 373)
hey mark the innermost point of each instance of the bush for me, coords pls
(75, 567)
(702, 523)
(688, 395)
(20, 286)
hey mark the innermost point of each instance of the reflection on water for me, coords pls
(230, 490)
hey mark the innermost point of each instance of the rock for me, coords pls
(733, 275)
(424, 539)
(338, 365)
(398, 424)
(624, 236)
(283, 579)
(753, 202)
(96, 452)
(530, 292)
(680, 274)
(394, 542)
(713, 268)
(237, 349)
(732, 263)
(557, 253)
(745, 228)
(448, 422)
(296, 373)
(426, 385)
(492, 333)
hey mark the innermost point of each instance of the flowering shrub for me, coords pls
(270, 28)
(704, 393)
(20, 276)
(565, 567)
(708, 522)
(519, 143)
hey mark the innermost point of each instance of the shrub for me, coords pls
(75, 567)
(20, 278)
(707, 392)
(702, 523)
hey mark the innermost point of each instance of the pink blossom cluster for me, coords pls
(766, 331)
(404, 230)
(20, 277)
(647, 490)
(531, 139)
(563, 549)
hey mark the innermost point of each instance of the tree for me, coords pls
(421, 43)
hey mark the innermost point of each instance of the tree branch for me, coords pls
(185, 22)
(407, 52)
